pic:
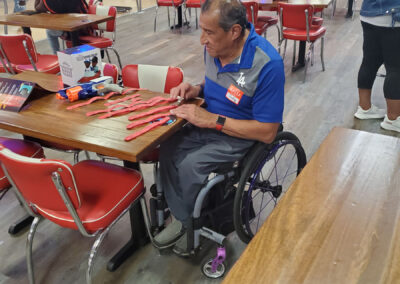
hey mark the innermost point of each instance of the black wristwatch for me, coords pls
(220, 122)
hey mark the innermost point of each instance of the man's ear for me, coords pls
(236, 31)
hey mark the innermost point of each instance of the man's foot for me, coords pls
(298, 66)
(393, 125)
(171, 233)
(181, 247)
(372, 113)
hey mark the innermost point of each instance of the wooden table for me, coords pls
(273, 4)
(63, 22)
(338, 223)
(45, 117)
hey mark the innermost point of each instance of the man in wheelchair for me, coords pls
(243, 92)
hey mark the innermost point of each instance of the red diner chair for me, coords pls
(194, 4)
(264, 15)
(252, 16)
(21, 147)
(296, 25)
(20, 52)
(98, 39)
(111, 70)
(167, 3)
(89, 197)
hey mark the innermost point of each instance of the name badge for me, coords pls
(234, 94)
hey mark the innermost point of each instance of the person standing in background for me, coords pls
(19, 5)
(59, 7)
(380, 20)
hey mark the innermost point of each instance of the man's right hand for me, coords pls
(185, 91)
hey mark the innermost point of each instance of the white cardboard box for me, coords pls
(77, 64)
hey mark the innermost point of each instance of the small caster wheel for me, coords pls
(213, 272)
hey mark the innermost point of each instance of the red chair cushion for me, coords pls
(46, 64)
(194, 3)
(268, 19)
(317, 22)
(3, 70)
(105, 191)
(169, 3)
(22, 147)
(301, 35)
(260, 27)
(96, 41)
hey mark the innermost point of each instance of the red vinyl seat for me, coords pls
(89, 197)
(167, 3)
(252, 16)
(21, 52)
(97, 39)
(296, 24)
(196, 4)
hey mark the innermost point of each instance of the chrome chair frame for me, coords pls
(100, 234)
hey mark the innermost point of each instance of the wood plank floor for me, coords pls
(327, 99)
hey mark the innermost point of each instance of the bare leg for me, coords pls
(365, 98)
(393, 109)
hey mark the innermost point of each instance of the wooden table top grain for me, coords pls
(338, 223)
(48, 82)
(46, 117)
(273, 4)
(62, 22)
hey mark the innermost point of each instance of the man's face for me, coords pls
(94, 63)
(213, 37)
(87, 64)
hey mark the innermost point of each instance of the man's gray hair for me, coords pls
(231, 12)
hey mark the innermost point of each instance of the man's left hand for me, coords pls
(196, 115)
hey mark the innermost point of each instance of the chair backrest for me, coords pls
(14, 49)
(251, 11)
(109, 69)
(34, 150)
(108, 26)
(33, 180)
(294, 16)
(155, 78)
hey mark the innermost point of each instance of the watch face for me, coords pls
(220, 122)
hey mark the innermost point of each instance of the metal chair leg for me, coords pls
(175, 16)
(197, 22)
(294, 53)
(108, 55)
(279, 38)
(87, 155)
(155, 19)
(93, 253)
(76, 157)
(118, 57)
(169, 20)
(29, 243)
(322, 54)
(284, 49)
(308, 57)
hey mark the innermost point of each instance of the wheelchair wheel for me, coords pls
(266, 176)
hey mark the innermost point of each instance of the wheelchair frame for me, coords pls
(215, 267)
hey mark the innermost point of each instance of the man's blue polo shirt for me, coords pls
(255, 82)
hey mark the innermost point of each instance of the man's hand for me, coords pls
(185, 91)
(196, 115)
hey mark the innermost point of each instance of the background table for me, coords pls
(63, 22)
(338, 223)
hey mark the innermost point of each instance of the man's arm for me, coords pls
(246, 129)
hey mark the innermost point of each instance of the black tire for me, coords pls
(269, 170)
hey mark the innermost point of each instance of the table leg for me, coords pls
(75, 38)
(27, 30)
(349, 9)
(301, 58)
(138, 232)
(20, 224)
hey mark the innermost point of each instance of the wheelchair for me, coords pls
(238, 197)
